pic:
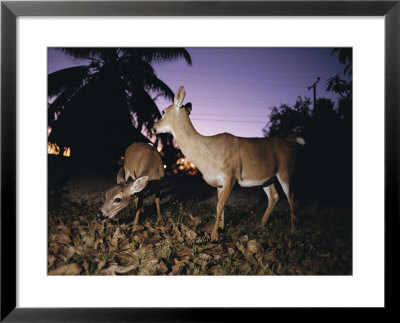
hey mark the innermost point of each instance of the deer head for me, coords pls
(119, 196)
(174, 115)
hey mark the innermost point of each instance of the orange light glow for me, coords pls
(183, 165)
(54, 149)
(67, 152)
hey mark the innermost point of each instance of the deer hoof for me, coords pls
(214, 236)
(136, 227)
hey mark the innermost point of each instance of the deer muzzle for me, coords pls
(100, 217)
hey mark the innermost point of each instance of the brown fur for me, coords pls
(224, 159)
(141, 159)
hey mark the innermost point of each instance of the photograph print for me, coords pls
(200, 161)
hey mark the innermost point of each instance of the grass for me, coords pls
(321, 245)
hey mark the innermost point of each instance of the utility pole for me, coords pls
(314, 85)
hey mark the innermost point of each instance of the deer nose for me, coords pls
(100, 217)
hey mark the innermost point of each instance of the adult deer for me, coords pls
(224, 159)
(142, 166)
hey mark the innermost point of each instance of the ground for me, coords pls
(180, 244)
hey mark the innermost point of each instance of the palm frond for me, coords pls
(160, 54)
(156, 85)
(131, 66)
(144, 107)
(82, 53)
(72, 77)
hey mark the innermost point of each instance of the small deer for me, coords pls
(224, 159)
(142, 166)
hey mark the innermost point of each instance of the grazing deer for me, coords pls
(224, 159)
(143, 164)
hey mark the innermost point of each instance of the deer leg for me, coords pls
(285, 183)
(139, 208)
(159, 218)
(157, 201)
(221, 222)
(222, 197)
(273, 198)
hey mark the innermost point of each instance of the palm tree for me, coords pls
(342, 84)
(101, 106)
(336, 83)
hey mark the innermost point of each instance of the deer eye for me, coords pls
(117, 200)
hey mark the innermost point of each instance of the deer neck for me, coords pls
(188, 138)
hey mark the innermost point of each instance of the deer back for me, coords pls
(142, 159)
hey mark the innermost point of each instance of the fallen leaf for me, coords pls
(182, 250)
(98, 242)
(63, 229)
(60, 238)
(115, 269)
(100, 265)
(85, 267)
(138, 237)
(70, 269)
(68, 252)
(269, 256)
(191, 235)
(244, 268)
(93, 253)
(176, 231)
(240, 246)
(88, 239)
(148, 266)
(50, 260)
(204, 256)
(245, 238)
(76, 239)
(253, 246)
(75, 224)
(195, 221)
(163, 267)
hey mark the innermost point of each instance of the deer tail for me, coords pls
(293, 138)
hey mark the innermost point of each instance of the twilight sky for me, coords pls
(232, 89)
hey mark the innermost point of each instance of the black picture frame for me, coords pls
(10, 10)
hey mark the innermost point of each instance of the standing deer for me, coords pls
(224, 159)
(143, 163)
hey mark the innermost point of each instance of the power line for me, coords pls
(229, 115)
(239, 74)
(228, 121)
(237, 83)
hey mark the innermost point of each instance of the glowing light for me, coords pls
(67, 152)
(183, 165)
(54, 149)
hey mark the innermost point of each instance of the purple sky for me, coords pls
(232, 89)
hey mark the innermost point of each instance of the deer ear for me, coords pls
(188, 107)
(121, 176)
(139, 184)
(179, 97)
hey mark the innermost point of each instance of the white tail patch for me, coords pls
(300, 141)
